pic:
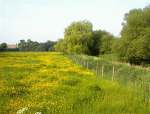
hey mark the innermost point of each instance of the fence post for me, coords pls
(113, 73)
(97, 68)
(148, 93)
(102, 71)
(87, 65)
(84, 63)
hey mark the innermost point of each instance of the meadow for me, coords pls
(54, 83)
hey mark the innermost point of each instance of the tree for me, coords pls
(77, 38)
(106, 43)
(30, 45)
(96, 37)
(46, 46)
(135, 34)
(115, 45)
(102, 42)
(3, 46)
(49, 45)
(60, 46)
(80, 38)
(22, 45)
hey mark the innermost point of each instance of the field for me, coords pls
(54, 83)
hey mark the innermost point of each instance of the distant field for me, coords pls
(51, 83)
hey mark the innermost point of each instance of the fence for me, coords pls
(123, 73)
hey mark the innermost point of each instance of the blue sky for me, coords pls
(43, 20)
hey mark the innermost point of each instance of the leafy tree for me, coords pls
(30, 45)
(115, 45)
(61, 45)
(106, 43)
(22, 45)
(49, 45)
(102, 42)
(46, 46)
(135, 41)
(77, 38)
(3, 46)
(80, 38)
(95, 48)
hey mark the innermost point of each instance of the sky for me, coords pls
(42, 20)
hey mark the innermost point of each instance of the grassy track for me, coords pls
(51, 83)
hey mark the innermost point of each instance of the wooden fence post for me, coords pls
(84, 63)
(113, 73)
(102, 71)
(97, 68)
(87, 65)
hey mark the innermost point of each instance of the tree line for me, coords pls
(135, 37)
(29, 45)
(79, 38)
(133, 46)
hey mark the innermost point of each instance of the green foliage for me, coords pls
(3, 47)
(115, 46)
(95, 48)
(102, 43)
(61, 46)
(30, 45)
(135, 39)
(46, 46)
(106, 43)
(81, 39)
(77, 38)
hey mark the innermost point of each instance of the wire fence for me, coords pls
(127, 75)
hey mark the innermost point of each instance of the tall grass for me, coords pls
(123, 72)
(51, 83)
(105, 67)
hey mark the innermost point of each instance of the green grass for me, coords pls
(52, 84)
(123, 73)
(109, 57)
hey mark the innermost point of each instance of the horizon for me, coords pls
(45, 20)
